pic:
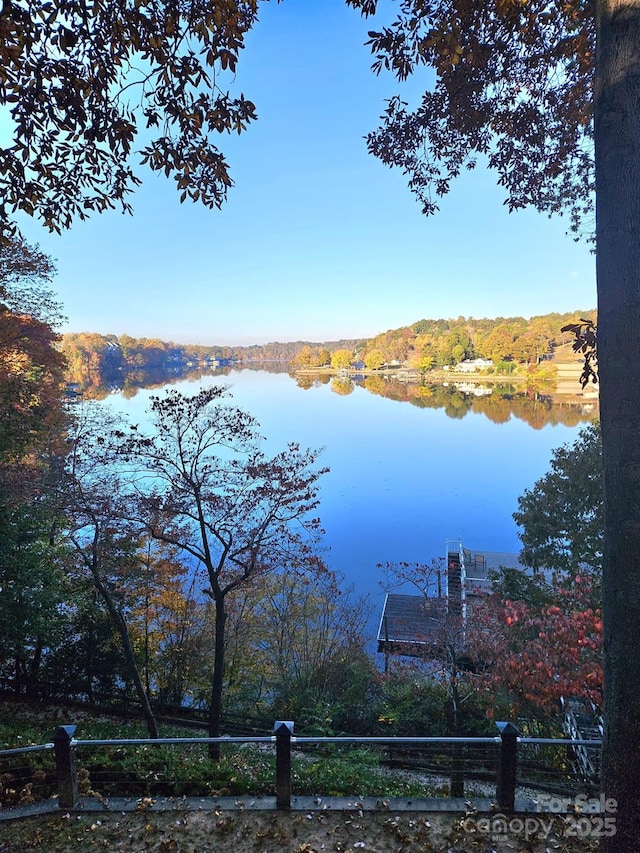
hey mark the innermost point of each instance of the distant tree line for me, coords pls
(429, 344)
(95, 361)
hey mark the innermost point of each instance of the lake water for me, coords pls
(404, 478)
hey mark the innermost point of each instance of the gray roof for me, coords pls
(409, 620)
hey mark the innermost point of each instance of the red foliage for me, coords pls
(540, 654)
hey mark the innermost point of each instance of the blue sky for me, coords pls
(318, 240)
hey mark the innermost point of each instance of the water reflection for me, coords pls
(342, 385)
(99, 384)
(499, 402)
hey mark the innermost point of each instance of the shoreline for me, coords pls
(565, 383)
(431, 378)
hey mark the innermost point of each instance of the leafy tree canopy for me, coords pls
(513, 85)
(562, 515)
(341, 358)
(82, 79)
(542, 647)
(25, 276)
(31, 367)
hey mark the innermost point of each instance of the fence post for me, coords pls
(65, 767)
(507, 766)
(283, 731)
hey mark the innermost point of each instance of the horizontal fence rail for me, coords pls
(500, 764)
(19, 750)
(173, 741)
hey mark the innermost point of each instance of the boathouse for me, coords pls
(411, 624)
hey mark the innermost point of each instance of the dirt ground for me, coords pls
(241, 831)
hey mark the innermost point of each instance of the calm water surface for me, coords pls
(403, 479)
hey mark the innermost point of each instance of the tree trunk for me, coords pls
(457, 755)
(217, 681)
(33, 672)
(18, 674)
(617, 138)
(88, 660)
(152, 726)
(121, 627)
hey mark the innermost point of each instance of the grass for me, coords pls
(178, 770)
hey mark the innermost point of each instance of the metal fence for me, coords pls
(497, 767)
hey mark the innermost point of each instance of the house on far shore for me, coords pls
(411, 623)
(473, 365)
